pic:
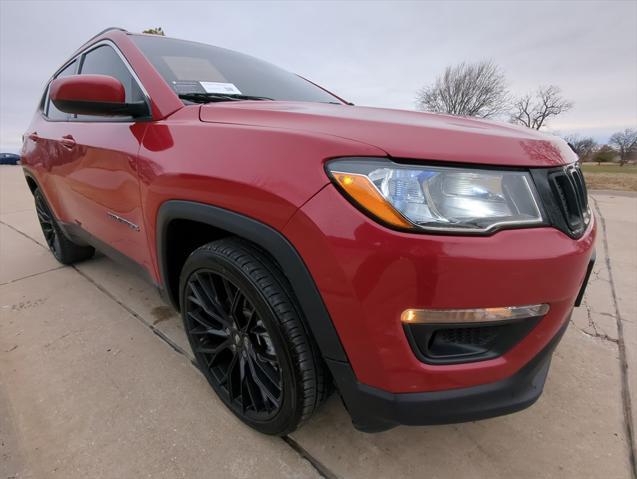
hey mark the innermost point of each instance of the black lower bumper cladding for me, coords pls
(374, 410)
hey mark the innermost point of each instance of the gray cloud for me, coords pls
(372, 53)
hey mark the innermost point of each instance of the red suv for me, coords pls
(423, 265)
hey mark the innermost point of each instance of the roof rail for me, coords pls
(101, 33)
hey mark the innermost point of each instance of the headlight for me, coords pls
(437, 198)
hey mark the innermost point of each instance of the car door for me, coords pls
(101, 157)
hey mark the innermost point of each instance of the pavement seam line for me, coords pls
(316, 464)
(322, 470)
(133, 313)
(621, 345)
(31, 275)
(22, 233)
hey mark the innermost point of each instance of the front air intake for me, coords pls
(569, 190)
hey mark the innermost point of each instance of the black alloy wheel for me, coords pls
(46, 222)
(232, 342)
(249, 337)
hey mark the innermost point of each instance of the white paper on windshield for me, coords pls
(218, 87)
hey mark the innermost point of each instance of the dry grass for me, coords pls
(610, 177)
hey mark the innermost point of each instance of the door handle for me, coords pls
(68, 141)
(33, 136)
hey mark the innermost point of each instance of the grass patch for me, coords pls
(610, 177)
(614, 169)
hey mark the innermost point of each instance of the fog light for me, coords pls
(478, 315)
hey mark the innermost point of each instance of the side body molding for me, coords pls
(302, 283)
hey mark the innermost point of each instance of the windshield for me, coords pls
(196, 71)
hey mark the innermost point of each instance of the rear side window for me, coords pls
(52, 112)
(103, 60)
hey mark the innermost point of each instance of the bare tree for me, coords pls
(533, 111)
(467, 89)
(625, 142)
(584, 147)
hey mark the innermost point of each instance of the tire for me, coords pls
(64, 250)
(248, 336)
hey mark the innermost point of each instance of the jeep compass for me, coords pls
(423, 266)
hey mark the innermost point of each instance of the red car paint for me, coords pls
(98, 88)
(266, 161)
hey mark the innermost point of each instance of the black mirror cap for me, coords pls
(137, 109)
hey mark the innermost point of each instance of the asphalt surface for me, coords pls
(96, 380)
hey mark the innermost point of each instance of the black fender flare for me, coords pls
(316, 314)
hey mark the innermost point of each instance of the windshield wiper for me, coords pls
(210, 97)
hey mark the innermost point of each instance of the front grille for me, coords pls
(569, 189)
(564, 197)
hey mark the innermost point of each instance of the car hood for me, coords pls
(401, 133)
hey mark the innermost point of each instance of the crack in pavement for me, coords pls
(602, 336)
(621, 345)
(593, 324)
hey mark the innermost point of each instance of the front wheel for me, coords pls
(248, 336)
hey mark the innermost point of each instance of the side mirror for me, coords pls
(93, 95)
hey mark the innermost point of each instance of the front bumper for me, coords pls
(374, 410)
(368, 275)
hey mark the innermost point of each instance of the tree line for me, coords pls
(480, 90)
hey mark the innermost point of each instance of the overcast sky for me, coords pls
(372, 53)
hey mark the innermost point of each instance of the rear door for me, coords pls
(101, 155)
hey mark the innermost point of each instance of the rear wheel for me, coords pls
(248, 336)
(64, 250)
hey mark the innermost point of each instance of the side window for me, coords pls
(103, 60)
(52, 112)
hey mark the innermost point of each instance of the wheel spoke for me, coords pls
(242, 378)
(234, 305)
(210, 328)
(226, 380)
(42, 214)
(46, 222)
(211, 293)
(265, 391)
(213, 351)
(249, 316)
(200, 298)
(268, 371)
(250, 390)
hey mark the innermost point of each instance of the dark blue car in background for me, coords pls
(9, 159)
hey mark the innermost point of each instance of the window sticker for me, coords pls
(188, 87)
(219, 87)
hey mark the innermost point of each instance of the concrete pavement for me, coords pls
(96, 381)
